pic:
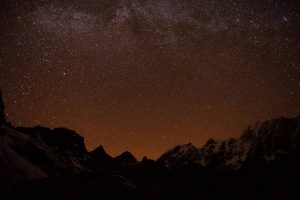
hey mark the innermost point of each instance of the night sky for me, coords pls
(145, 75)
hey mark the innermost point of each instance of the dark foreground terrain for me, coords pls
(190, 182)
(43, 163)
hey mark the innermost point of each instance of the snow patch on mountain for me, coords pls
(260, 143)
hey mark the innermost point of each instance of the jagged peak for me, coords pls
(210, 141)
(126, 157)
(145, 159)
(188, 147)
(182, 147)
(60, 138)
(100, 152)
(2, 110)
(100, 148)
(281, 136)
(182, 153)
(273, 125)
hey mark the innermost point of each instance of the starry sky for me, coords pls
(145, 75)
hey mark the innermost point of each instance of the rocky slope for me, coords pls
(260, 144)
(34, 153)
(2, 110)
(14, 167)
(39, 152)
(267, 155)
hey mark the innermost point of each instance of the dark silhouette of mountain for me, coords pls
(99, 152)
(126, 158)
(43, 163)
(2, 110)
(181, 155)
(260, 144)
(41, 152)
(101, 158)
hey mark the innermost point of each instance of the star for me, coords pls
(144, 76)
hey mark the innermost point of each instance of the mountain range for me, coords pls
(43, 163)
(260, 144)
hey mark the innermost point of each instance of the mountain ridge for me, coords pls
(266, 152)
(274, 137)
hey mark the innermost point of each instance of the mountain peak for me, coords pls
(100, 153)
(260, 143)
(99, 150)
(2, 110)
(181, 155)
(186, 148)
(126, 157)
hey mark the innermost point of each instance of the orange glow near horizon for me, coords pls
(144, 76)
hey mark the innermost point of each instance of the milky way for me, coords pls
(143, 75)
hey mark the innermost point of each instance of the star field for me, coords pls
(145, 75)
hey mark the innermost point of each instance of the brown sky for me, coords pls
(143, 75)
